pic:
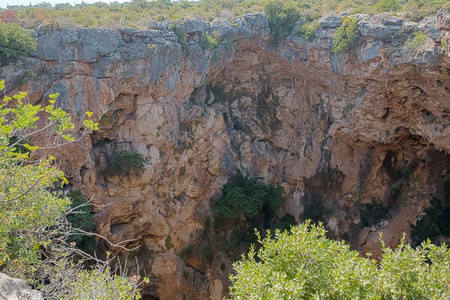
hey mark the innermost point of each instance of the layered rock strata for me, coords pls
(338, 132)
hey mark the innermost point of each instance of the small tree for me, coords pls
(282, 15)
(14, 42)
(345, 36)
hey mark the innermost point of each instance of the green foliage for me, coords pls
(445, 45)
(124, 162)
(305, 264)
(308, 30)
(345, 36)
(177, 28)
(207, 41)
(81, 218)
(387, 6)
(28, 202)
(433, 224)
(416, 43)
(36, 240)
(101, 284)
(14, 42)
(282, 16)
(284, 223)
(136, 13)
(244, 197)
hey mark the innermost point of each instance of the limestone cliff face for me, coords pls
(336, 132)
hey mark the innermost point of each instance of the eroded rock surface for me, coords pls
(338, 133)
(16, 289)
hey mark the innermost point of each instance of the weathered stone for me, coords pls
(443, 20)
(196, 25)
(16, 289)
(333, 130)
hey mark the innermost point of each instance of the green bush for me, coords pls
(14, 42)
(81, 218)
(101, 284)
(282, 16)
(387, 6)
(308, 30)
(123, 163)
(305, 264)
(433, 224)
(207, 41)
(345, 36)
(244, 197)
(177, 28)
(416, 43)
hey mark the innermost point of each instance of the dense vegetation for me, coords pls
(245, 197)
(14, 42)
(124, 163)
(345, 35)
(138, 12)
(246, 204)
(305, 264)
(39, 230)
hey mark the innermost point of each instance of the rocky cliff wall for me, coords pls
(337, 132)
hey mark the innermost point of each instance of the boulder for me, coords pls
(16, 289)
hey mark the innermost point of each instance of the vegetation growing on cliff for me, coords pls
(244, 197)
(282, 16)
(345, 36)
(137, 13)
(125, 162)
(14, 42)
(37, 238)
(305, 264)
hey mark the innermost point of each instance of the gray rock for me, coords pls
(49, 46)
(97, 42)
(443, 19)
(196, 25)
(331, 21)
(16, 289)
(257, 20)
(164, 25)
(428, 26)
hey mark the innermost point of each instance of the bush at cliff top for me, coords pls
(305, 264)
(345, 36)
(282, 16)
(14, 42)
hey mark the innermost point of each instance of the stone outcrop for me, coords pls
(338, 133)
(16, 289)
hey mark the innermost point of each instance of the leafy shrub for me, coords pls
(284, 223)
(81, 218)
(14, 42)
(387, 6)
(101, 284)
(282, 16)
(345, 36)
(246, 197)
(433, 224)
(125, 162)
(308, 30)
(305, 264)
(177, 28)
(416, 43)
(207, 41)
